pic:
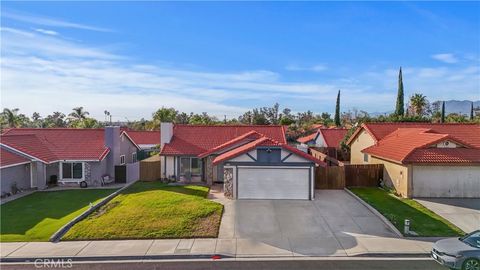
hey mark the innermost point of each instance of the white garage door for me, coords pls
(446, 181)
(273, 183)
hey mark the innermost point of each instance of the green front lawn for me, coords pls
(396, 210)
(37, 216)
(152, 210)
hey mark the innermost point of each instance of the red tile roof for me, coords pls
(333, 136)
(418, 145)
(249, 136)
(264, 141)
(8, 158)
(53, 144)
(197, 139)
(144, 137)
(469, 133)
(307, 138)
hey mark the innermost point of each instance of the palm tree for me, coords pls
(418, 102)
(78, 114)
(11, 117)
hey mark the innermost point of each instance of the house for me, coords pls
(326, 141)
(422, 159)
(147, 141)
(64, 155)
(253, 162)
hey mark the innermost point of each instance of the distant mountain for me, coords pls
(451, 106)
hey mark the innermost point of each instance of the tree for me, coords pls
(337, 111)
(78, 113)
(418, 103)
(57, 119)
(442, 118)
(165, 115)
(471, 111)
(10, 118)
(286, 117)
(182, 118)
(399, 110)
(37, 120)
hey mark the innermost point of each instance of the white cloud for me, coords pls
(448, 58)
(46, 32)
(314, 68)
(47, 73)
(37, 20)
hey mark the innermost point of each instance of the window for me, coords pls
(365, 157)
(72, 170)
(190, 166)
(122, 160)
(270, 155)
(134, 157)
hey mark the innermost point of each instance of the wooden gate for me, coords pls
(339, 177)
(150, 169)
(121, 174)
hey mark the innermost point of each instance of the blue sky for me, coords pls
(224, 58)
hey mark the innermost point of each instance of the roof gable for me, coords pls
(333, 136)
(9, 158)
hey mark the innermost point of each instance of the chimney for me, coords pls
(112, 141)
(166, 133)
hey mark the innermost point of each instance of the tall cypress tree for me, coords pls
(471, 112)
(337, 111)
(399, 110)
(442, 119)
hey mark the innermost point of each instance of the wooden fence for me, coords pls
(339, 177)
(150, 169)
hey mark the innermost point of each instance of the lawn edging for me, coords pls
(375, 211)
(63, 230)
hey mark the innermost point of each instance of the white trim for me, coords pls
(13, 165)
(134, 157)
(61, 179)
(122, 163)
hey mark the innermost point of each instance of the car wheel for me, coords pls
(471, 264)
(83, 184)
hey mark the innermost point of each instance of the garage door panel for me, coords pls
(273, 183)
(446, 181)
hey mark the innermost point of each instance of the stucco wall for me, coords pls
(52, 169)
(168, 166)
(127, 148)
(17, 174)
(320, 141)
(394, 175)
(446, 181)
(362, 141)
(98, 169)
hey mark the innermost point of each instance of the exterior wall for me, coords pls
(39, 175)
(97, 170)
(320, 141)
(394, 175)
(112, 141)
(133, 172)
(446, 181)
(52, 169)
(168, 166)
(362, 141)
(245, 157)
(210, 172)
(293, 157)
(19, 174)
(127, 148)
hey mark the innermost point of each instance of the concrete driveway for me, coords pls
(464, 213)
(330, 225)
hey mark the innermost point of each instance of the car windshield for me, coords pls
(472, 239)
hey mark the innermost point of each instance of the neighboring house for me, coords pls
(326, 141)
(422, 159)
(15, 171)
(67, 155)
(255, 162)
(148, 141)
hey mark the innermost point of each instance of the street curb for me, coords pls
(63, 230)
(378, 214)
(210, 257)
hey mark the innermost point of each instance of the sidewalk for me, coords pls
(205, 248)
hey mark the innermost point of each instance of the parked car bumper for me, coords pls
(448, 261)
